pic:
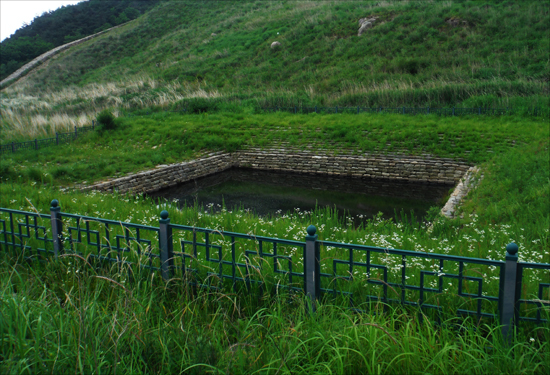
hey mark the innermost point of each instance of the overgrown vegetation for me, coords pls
(83, 321)
(106, 120)
(68, 316)
(147, 325)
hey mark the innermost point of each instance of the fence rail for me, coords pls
(454, 111)
(38, 144)
(213, 259)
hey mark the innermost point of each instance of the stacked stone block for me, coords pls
(389, 167)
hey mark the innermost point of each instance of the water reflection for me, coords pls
(267, 192)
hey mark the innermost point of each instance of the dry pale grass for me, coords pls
(16, 126)
(27, 116)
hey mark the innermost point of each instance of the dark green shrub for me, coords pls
(106, 120)
(411, 65)
(61, 171)
(7, 171)
(200, 105)
(34, 174)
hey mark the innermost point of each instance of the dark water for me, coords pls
(266, 193)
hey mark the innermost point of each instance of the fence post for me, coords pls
(93, 125)
(312, 267)
(166, 249)
(13, 147)
(428, 110)
(57, 228)
(56, 138)
(357, 110)
(294, 109)
(36, 144)
(75, 133)
(315, 109)
(403, 110)
(508, 293)
(453, 111)
(336, 109)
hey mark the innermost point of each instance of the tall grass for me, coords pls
(16, 127)
(29, 116)
(46, 112)
(69, 316)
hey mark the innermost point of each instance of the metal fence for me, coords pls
(38, 144)
(365, 276)
(454, 111)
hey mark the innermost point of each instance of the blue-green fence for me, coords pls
(452, 111)
(365, 276)
(38, 144)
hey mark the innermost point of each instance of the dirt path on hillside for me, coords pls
(15, 76)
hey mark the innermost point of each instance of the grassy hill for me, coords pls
(464, 53)
(496, 55)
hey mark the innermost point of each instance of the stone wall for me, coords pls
(167, 175)
(393, 167)
(467, 183)
(390, 167)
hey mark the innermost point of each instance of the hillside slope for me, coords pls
(65, 25)
(46, 56)
(464, 53)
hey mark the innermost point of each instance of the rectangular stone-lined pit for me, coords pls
(391, 167)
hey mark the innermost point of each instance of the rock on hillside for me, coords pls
(365, 23)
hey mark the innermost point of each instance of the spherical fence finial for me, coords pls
(164, 215)
(55, 203)
(512, 248)
(311, 230)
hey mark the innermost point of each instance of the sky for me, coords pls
(13, 13)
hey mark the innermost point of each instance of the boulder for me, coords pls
(365, 24)
(275, 44)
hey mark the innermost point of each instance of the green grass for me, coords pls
(143, 142)
(503, 42)
(56, 319)
(68, 317)
(411, 57)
